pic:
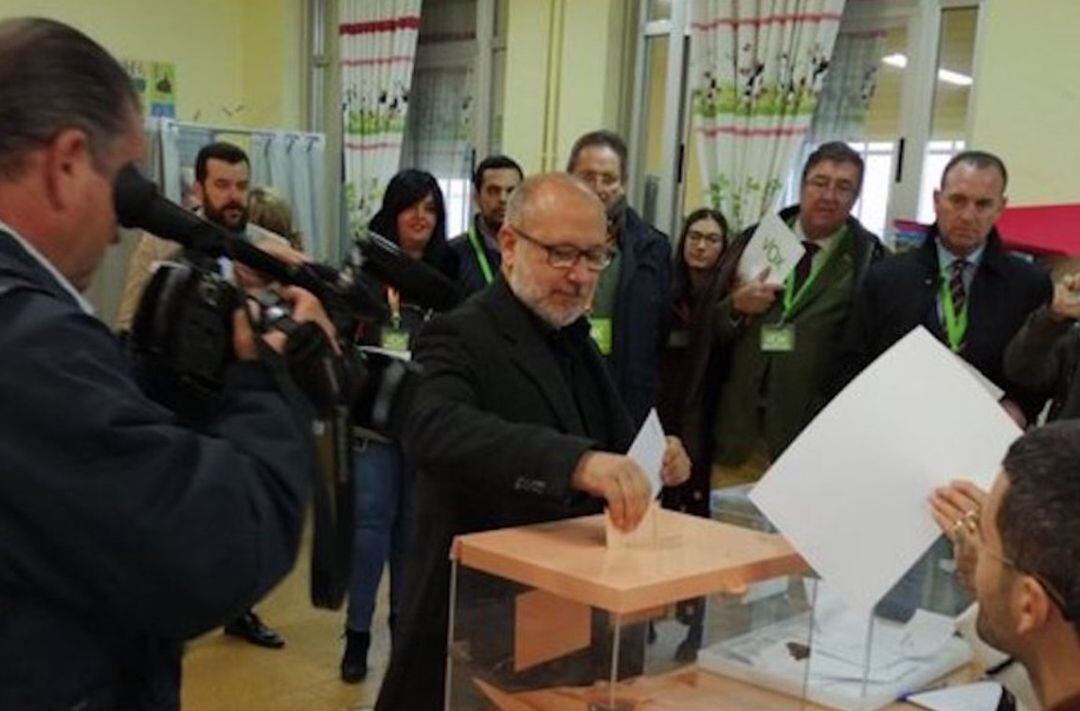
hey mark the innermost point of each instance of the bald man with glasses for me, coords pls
(516, 421)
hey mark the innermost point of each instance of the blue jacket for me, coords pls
(124, 532)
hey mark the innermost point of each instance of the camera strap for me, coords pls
(333, 500)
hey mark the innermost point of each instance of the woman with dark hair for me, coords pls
(703, 240)
(413, 217)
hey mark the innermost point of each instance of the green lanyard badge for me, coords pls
(955, 324)
(481, 255)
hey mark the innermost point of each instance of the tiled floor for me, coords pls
(226, 674)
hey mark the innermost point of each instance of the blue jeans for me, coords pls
(383, 526)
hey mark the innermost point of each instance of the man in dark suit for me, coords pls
(477, 249)
(629, 313)
(960, 284)
(516, 420)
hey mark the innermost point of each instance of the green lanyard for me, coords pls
(481, 256)
(955, 325)
(791, 299)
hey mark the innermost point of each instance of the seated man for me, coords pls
(1026, 573)
(516, 420)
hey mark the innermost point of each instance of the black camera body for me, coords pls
(184, 324)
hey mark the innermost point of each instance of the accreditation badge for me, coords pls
(394, 339)
(778, 338)
(600, 330)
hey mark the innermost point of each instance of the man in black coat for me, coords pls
(516, 420)
(629, 314)
(960, 284)
(124, 530)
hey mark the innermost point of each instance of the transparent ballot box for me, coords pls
(567, 616)
(858, 661)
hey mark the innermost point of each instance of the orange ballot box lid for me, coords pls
(687, 557)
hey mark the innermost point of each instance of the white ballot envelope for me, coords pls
(647, 450)
(851, 493)
(773, 245)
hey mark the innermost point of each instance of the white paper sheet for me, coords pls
(851, 493)
(981, 696)
(648, 450)
(773, 245)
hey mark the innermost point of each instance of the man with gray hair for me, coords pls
(123, 530)
(516, 420)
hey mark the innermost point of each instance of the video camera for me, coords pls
(183, 333)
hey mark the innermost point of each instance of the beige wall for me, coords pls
(237, 61)
(538, 129)
(1026, 100)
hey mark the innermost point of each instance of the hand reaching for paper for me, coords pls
(676, 465)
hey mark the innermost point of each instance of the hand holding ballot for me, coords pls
(618, 480)
(755, 297)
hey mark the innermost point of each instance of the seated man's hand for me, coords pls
(956, 510)
(676, 465)
(618, 480)
(303, 306)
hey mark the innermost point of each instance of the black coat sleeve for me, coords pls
(110, 507)
(452, 434)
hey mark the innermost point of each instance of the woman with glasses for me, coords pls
(413, 216)
(702, 242)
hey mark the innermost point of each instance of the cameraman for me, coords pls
(122, 532)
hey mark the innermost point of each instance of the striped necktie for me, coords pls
(956, 285)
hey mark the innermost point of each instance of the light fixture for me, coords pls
(951, 77)
(945, 75)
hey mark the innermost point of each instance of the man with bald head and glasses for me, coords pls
(516, 420)
(1019, 551)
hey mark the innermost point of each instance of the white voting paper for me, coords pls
(851, 493)
(982, 696)
(773, 245)
(648, 450)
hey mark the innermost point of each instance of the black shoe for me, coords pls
(248, 626)
(354, 661)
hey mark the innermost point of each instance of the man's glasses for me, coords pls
(565, 257)
(841, 188)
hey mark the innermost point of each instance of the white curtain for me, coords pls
(438, 136)
(845, 98)
(757, 68)
(291, 163)
(378, 49)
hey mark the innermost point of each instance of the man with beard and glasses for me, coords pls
(1019, 553)
(221, 189)
(221, 192)
(515, 422)
(629, 314)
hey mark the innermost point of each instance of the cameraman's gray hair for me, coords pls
(527, 194)
(54, 78)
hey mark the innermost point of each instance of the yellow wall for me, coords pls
(237, 61)
(589, 93)
(1026, 101)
